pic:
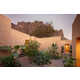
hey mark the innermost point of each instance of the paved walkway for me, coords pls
(25, 62)
(56, 63)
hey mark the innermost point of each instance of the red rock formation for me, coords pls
(30, 28)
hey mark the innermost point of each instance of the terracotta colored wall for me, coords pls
(76, 39)
(75, 33)
(4, 30)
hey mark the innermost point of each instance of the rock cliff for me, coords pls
(38, 29)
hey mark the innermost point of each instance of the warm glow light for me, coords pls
(26, 42)
(78, 53)
(67, 48)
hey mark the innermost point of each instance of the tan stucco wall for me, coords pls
(63, 42)
(75, 33)
(4, 30)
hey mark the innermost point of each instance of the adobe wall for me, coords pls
(75, 33)
(46, 42)
(63, 42)
(5, 30)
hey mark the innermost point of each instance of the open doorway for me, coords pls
(67, 48)
(78, 52)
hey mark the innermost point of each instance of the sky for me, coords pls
(59, 21)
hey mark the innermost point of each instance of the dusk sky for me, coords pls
(59, 21)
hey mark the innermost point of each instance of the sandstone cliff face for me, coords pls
(30, 27)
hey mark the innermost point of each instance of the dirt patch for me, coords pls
(4, 53)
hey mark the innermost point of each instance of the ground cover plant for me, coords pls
(69, 61)
(53, 50)
(9, 61)
(42, 58)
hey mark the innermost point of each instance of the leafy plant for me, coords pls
(16, 47)
(54, 52)
(42, 58)
(32, 48)
(62, 49)
(70, 49)
(69, 61)
(9, 61)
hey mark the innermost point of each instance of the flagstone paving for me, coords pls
(25, 62)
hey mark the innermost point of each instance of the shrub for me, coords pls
(42, 58)
(54, 52)
(62, 49)
(32, 48)
(16, 47)
(9, 61)
(36, 56)
(70, 49)
(69, 61)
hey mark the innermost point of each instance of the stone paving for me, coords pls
(25, 62)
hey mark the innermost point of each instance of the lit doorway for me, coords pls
(67, 48)
(78, 52)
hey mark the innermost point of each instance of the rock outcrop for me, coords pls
(31, 28)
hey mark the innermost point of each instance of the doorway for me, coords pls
(67, 48)
(78, 52)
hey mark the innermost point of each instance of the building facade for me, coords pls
(10, 36)
(76, 39)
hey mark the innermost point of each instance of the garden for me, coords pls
(35, 57)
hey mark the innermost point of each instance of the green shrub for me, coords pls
(42, 58)
(32, 48)
(16, 47)
(70, 49)
(37, 57)
(9, 61)
(69, 61)
(62, 49)
(53, 50)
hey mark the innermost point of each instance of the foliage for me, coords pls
(37, 57)
(32, 48)
(62, 49)
(69, 61)
(70, 48)
(42, 58)
(5, 48)
(53, 50)
(9, 61)
(16, 47)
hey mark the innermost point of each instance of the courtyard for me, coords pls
(18, 49)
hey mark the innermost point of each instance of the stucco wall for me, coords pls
(5, 30)
(75, 33)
